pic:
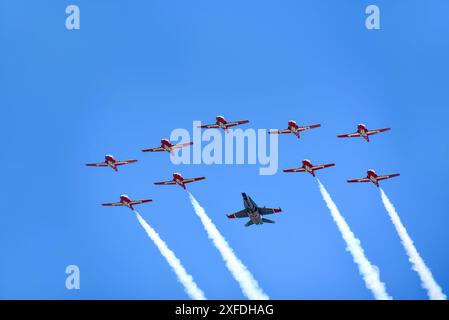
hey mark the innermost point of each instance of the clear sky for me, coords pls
(138, 69)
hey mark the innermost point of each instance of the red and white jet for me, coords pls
(307, 166)
(166, 145)
(125, 201)
(109, 161)
(374, 178)
(362, 131)
(179, 180)
(294, 128)
(221, 122)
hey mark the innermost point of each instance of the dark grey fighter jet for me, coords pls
(253, 212)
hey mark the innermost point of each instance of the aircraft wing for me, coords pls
(370, 132)
(323, 166)
(240, 214)
(209, 126)
(193, 179)
(264, 211)
(360, 180)
(349, 135)
(165, 183)
(119, 163)
(113, 204)
(158, 149)
(280, 131)
(100, 164)
(140, 201)
(300, 169)
(302, 128)
(236, 123)
(387, 176)
(182, 145)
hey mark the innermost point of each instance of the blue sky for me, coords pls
(136, 70)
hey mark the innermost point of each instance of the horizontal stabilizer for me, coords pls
(268, 220)
(249, 223)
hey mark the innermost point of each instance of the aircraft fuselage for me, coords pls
(363, 130)
(179, 180)
(293, 127)
(126, 201)
(110, 161)
(307, 165)
(371, 174)
(252, 209)
(166, 145)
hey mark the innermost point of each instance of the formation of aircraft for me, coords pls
(221, 122)
(109, 161)
(253, 212)
(307, 166)
(179, 180)
(125, 201)
(166, 145)
(294, 128)
(372, 176)
(362, 131)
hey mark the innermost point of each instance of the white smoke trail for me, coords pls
(434, 291)
(186, 279)
(241, 274)
(368, 271)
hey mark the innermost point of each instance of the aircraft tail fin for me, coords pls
(249, 223)
(268, 220)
